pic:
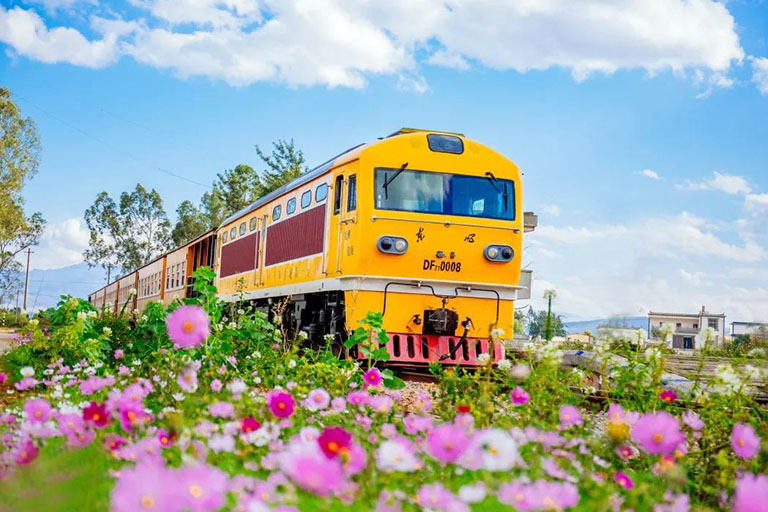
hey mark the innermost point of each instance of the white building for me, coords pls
(686, 327)
(747, 328)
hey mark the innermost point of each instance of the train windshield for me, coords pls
(444, 193)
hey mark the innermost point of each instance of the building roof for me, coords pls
(750, 323)
(686, 315)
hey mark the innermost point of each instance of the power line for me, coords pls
(108, 144)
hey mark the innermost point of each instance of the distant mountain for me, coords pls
(592, 325)
(47, 286)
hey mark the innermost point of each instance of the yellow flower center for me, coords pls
(657, 438)
(147, 502)
(188, 327)
(740, 442)
(96, 416)
(333, 446)
(38, 414)
(281, 405)
(493, 450)
(195, 490)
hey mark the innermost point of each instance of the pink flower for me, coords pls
(744, 441)
(216, 385)
(519, 396)
(693, 420)
(306, 465)
(373, 377)
(203, 488)
(281, 403)
(447, 442)
(188, 326)
(539, 495)
(25, 384)
(145, 487)
(26, 452)
(751, 493)
(187, 380)
(164, 438)
(249, 424)
(96, 415)
(624, 451)
(37, 410)
(334, 442)
(570, 415)
(317, 399)
(658, 433)
(623, 480)
(616, 414)
(668, 395)
(221, 410)
(358, 398)
(119, 353)
(3, 378)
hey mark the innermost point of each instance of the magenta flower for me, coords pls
(3, 378)
(358, 398)
(145, 487)
(519, 396)
(624, 481)
(281, 403)
(38, 410)
(668, 395)
(447, 442)
(203, 488)
(334, 441)
(751, 493)
(658, 433)
(249, 424)
(570, 415)
(96, 415)
(693, 420)
(26, 452)
(744, 441)
(373, 378)
(188, 326)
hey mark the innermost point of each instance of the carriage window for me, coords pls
(242, 229)
(446, 194)
(290, 206)
(337, 188)
(224, 237)
(352, 193)
(233, 233)
(306, 198)
(276, 211)
(253, 224)
(321, 192)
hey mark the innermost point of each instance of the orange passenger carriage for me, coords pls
(423, 227)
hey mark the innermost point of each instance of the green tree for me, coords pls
(19, 162)
(191, 223)
(537, 323)
(284, 164)
(550, 296)
(519, 325)
(128, 234)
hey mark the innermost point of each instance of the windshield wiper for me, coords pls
(494, 182)
(390, 180)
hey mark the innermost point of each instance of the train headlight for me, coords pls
(499, 253)
(392, 244)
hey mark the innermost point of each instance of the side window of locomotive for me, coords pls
(232, 233)
(224, 237)
(321, 192)
(306, 198)
(242, 228)
(253, 224)
(337, 188)
(290, 206)
(276, 211)
(352, 193)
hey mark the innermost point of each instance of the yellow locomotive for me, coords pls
(425, 227)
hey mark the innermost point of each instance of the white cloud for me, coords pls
(649, 173)
(728, 183)
(26, 32)
(757, 202)
(760, 74)
(62, 244)
(342, 42)
(551, 209)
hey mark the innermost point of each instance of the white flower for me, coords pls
(474, 493)
(497, 333)
(520, 371)
(179, 396)
(394, 456)
(498, 450)
(221, 443)
(302, 335)
(132, 292)
(82, 315)
(259, 437)
(256, 354)
(92, 314)
(292, 364)
(232, 325)
(237, 387)
(484, 358)
(505, 365)
(48, 371)
(107, 331)
(34, 322)
(27, 371)
(257, 380)
(240, 311)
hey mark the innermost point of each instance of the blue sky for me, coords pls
(639, 124)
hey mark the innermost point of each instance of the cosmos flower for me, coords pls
(744, 441)
(164, 438)
(397, 455)
(491, 449)
(202, 488)
(519, 396)
(221, 410)
(188, 326)
(570, 415)
(668, 395)
(539, 495)
(317, 399)
(37, 410)
(187, 380)
(447, 442)
(624, 481)
(281, 403)
(373, 378)
(249, 424)
(693, 420)
(751, 493)
(145, 487)
(658, 433)
(96, 415)
(216, 385)
(311, 470)
(358, 398)
(334, 441)
(26, 452)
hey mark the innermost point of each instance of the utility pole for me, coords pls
(26, 279)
